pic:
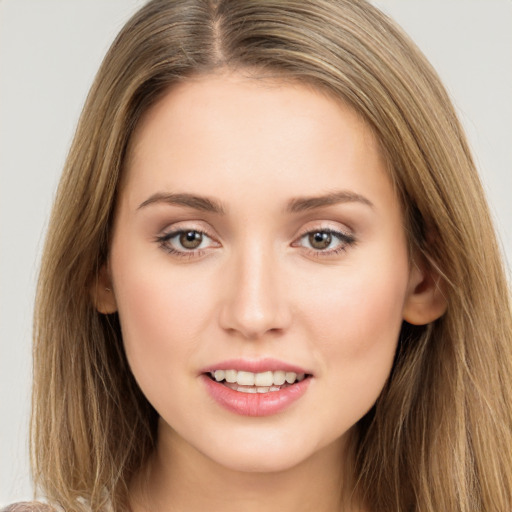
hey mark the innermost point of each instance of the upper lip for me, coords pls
(255, 366)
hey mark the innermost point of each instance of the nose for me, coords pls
(254, 302)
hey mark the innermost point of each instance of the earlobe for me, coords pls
(102, 292)
(425, 301)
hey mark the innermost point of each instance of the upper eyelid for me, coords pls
(176, 231)
(325, 225)
(328, 229)
(181, 226)
(336, 232)
(172, 233)
(310, 227)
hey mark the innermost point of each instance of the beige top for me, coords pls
(28, 506)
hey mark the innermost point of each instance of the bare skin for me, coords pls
(308, 486)
(257, 220)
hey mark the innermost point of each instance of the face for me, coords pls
(260, 269)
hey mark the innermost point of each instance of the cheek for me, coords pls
(161, 314)
(355, 328)
(150, 304)
(358, 311)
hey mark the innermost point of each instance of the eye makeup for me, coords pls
(325, 242)
(187, 243)
(192, 242)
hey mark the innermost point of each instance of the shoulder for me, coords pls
(28, 506)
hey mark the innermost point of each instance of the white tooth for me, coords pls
(263, 389)
(230, 375)
(219, 375)
(247, 389)
(232, 385)
(290, 377)
(279, 378)
(301, 376)
(245, 378)
(274, 388)
(264, 379)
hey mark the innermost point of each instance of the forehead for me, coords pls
(226, 97)
(244, 129)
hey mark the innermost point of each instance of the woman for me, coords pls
(270, 277)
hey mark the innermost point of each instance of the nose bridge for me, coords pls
(254, 304)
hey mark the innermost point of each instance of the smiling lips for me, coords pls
(263, 382)
(258, 393)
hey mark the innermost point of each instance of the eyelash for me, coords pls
(345, 241)
(165, 239)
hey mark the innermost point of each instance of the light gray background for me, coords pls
(49, 53)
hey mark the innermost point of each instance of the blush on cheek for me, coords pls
(361, 321)
(161, 316)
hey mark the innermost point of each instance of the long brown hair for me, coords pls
(440, 435)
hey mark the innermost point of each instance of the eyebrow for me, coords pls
(201, 203)
(301, 204)
(296, 205)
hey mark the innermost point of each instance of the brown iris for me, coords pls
(320, 240)
(191, 239)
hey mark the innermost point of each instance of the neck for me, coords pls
(179, 478)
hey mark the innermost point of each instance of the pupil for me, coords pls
(191, 239)
(320, 240)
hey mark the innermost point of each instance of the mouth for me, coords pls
(261, 387)
(261, 382)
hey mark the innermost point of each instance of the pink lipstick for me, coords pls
(255, 387)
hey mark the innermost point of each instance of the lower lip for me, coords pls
(255, 404)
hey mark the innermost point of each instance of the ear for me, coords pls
(425, 301)
(102, 292)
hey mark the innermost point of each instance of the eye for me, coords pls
(190, 239)
(320, 240)
(325, 241)
(186, 242)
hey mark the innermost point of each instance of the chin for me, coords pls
(259, 461)
(264, 451)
